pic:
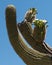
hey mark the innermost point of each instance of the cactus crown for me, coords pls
(34, 10)
(40, 23)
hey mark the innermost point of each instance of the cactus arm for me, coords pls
(29, 56)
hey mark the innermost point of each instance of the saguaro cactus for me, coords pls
(29, 55)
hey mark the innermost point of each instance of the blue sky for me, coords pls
(44, 7)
